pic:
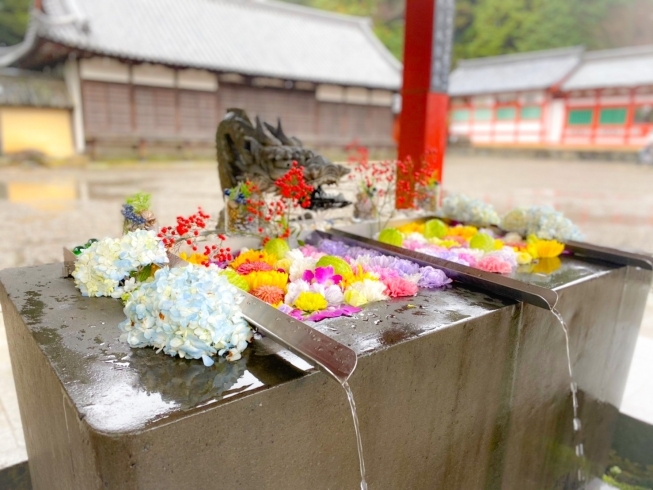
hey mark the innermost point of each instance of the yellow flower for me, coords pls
(355, 298)
(310, 301)
(266, 278)
(444, 243)
(498, 244)
(547, 266)
(544, 249)
(283, 264)
(196, 259)
(358, 275)
(524, 258)
(413, 227)
(253, 256)
(467, 232)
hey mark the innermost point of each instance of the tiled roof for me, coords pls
(250, 37)
(24, 88)
(513, 72)
(613, 68)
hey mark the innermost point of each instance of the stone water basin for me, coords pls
(444, 378)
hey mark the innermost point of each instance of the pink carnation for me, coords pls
(492, 263)
(397, 287)
(249, 267)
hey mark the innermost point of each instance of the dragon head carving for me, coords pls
(262, 153)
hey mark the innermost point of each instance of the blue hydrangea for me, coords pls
(191, 312)
(460, 207)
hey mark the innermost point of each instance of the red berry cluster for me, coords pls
(217, 253)
(293, 186)
(187, 229)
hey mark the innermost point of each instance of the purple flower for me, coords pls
(331, 247)
(432, 278)
(355, 252)
(290, 311)
(406, 267)
(344, 310)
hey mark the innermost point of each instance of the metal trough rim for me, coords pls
(494, 283)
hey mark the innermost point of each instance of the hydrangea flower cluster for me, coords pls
(104, 268)
(541, 221)
(464, 209)
(192, 312)
(330, 280)
(474, 247)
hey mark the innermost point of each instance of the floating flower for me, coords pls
(249, 267)
(547, 265)
(464, 232)
(299, 263)
(432, 278)
(399, 287)
(188, 311)
(310, 301)
(414, 227)
(266, 278)
(366, 291)
(524, 258)
(248, 256)
(543, 249)
(270, 294)
(494, 263)
(345, 310)
(322, 275)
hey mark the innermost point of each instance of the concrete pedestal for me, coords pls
(455, 389)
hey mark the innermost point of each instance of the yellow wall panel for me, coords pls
(29, 128)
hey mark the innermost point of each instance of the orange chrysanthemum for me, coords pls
(270, 294)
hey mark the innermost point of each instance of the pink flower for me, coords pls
(249, 267)
(492, 263)
(345, 310)
(322, 275)
(311, 251)
(397, 287)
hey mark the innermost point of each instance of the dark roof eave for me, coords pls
(83, 52)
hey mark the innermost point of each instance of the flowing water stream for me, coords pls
(580, 451)
(359, 442)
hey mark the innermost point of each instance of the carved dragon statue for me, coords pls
(263, 153)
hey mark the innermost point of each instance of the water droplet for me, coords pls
(579, 450)
(577, 424)
(574, 387)
(376, 322)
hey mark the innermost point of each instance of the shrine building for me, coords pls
(158, 75)
(567, 98)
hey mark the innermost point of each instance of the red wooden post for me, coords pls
(427, 60)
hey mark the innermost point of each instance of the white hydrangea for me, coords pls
(100, 268)
(542, 221)
(190, 312)
(460, 207)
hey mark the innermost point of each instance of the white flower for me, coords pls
(101, 267)
(365, 291)
(192, 312)
(299, 263)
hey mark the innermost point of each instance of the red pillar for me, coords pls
(427, 55)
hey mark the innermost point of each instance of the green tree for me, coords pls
(14, 15)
